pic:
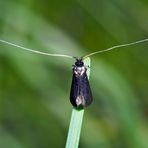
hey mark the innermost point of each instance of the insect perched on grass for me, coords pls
(80, 94)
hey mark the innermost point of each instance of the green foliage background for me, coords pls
(34, 89)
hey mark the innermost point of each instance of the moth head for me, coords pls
(79, 63)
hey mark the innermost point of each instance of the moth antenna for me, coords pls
(36, 51)
(114, 47)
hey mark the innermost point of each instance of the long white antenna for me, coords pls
(35, 51)
(114, 47)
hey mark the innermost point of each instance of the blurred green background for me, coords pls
(34, 89)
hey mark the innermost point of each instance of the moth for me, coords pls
(80, 94)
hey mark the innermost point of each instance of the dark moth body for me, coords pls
(80, 94)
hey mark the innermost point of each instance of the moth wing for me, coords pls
(80, 91)
(86, 90)
(74, 92)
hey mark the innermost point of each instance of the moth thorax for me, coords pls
(79, 70)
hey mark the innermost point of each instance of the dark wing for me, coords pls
(80, 94)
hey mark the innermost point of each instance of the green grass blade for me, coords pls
(75, 128)
(76, 120)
